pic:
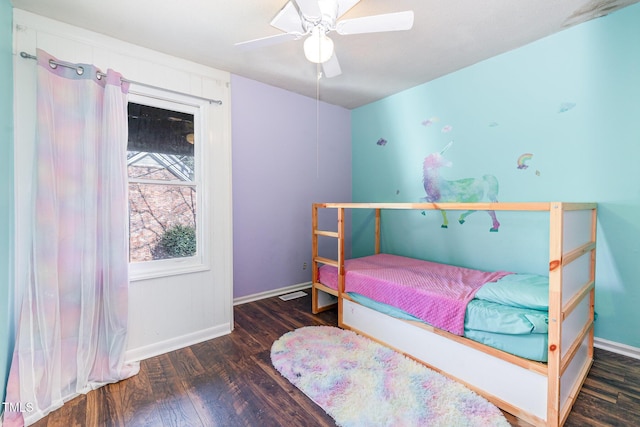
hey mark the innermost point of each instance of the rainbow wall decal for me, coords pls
(524, 158)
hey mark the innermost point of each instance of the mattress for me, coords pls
(435, 293)
(530, 345)
(509, 312)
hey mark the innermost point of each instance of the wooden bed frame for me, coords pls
(539, 393)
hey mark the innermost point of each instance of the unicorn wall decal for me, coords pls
(466, 190)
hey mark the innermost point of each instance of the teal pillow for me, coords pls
(518, 290)
(503, 319)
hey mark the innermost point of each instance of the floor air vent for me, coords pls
(293, 295)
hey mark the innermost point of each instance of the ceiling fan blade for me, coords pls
(345, 5)
(288, 19)
(269, 40)
(331, 68)
(309, 8)
(376, 23)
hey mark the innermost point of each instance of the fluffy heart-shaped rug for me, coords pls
(359, 382)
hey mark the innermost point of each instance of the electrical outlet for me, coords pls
(304, 265)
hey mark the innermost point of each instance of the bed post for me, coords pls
(592, 274)
(377, 231)
(314, 256)
(341, 271)
(556, 217)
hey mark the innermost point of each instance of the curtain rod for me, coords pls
(79, 69)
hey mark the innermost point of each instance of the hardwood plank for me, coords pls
(216, 390)
(137, 401)
(614, 360)
(515, 421)
(105, 403)
(212, 351)
(173, 404)
(606, 373)
(300, 406)
(585, 420)
(591, 411)
(219, 403)
(629, 408)
(597, 389)
(295, 313)
(186, 364)
(253, 321)
(72, 414)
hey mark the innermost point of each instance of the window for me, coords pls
(165, 189)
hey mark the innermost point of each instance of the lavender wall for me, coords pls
(279, 169)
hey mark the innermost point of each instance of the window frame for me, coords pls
(198, 107)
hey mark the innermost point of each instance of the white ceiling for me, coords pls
(447, 35)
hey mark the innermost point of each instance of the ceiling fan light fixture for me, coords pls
(314, 19)
(318, 48)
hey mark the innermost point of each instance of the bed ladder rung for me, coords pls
(326, 233)
(326, 261)
(325, 288)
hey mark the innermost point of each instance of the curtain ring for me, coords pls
(80, 70)
(52, 64)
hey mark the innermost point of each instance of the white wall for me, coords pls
(168, 312)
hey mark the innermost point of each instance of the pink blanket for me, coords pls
(436, 293)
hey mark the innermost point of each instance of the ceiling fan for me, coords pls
(314, 19)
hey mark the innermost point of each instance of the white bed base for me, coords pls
(539, 393)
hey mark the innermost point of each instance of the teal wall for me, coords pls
(6, 188)
(572, 100)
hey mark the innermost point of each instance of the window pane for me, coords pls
(162, 217)
(162, 221)
(161, 144)
(157, 166)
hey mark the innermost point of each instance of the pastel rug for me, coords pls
(359, 382)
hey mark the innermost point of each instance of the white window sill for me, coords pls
(173, 268)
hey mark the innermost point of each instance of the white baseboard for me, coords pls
(156, 349)
(616, 347)
(271, 293)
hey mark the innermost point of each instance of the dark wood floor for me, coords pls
(229, 381)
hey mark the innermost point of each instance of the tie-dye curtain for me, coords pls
(72, 317)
